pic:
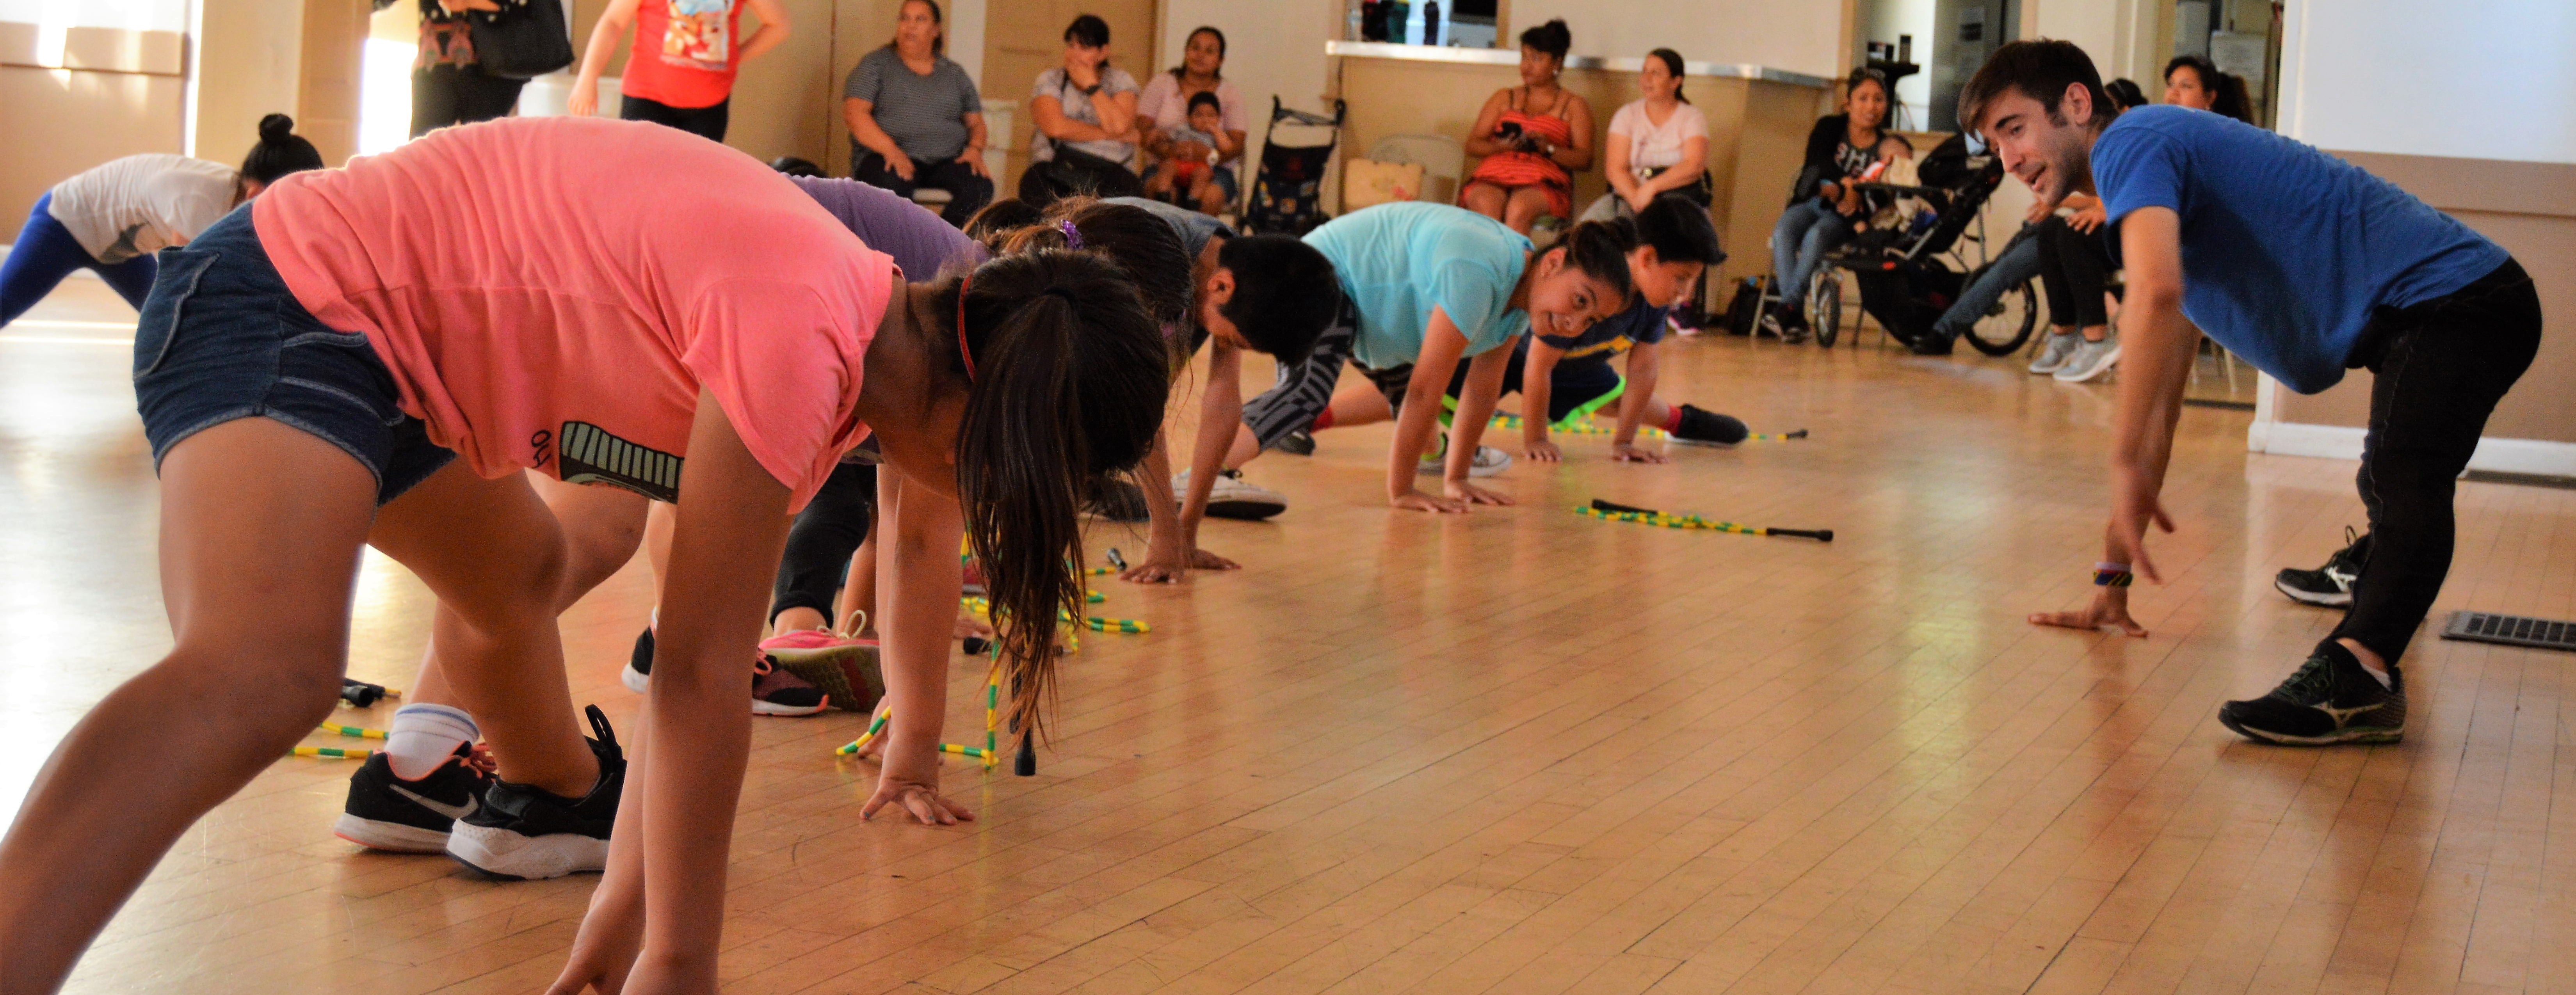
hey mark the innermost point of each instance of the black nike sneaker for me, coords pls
(2329, 586)
(638, 674)
(1707, 428)
(1297, 443)
(524, 832)
(2330, 699)
(388, 813)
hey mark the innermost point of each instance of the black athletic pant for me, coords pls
(2441, 367)
(967, 192)
(704, 122)
(2073, 269)
(820, 543)
(447, 94)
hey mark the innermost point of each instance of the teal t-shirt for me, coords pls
(1399, 261)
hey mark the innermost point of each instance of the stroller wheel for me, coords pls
(1825, 308)
(2006, 326)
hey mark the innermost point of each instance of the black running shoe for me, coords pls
(2328, 586)
(1931, 344)
(1707, 428)
(2330, 699)
(1119, 500)
(523, 832)
(639, 667)
(1297, 443)
(388, 813)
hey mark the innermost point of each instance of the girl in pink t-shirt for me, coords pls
(376, 356)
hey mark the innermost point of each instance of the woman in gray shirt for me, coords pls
(915, 119)
(1085, 111)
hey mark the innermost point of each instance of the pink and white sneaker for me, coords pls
(841, 664)
(781, 693)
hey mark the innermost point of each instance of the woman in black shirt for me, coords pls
(1824, 204)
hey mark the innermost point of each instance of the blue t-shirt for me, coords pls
(1399, 261)
(2286, 250)
(1640, 324)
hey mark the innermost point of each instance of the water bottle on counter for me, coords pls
(1351, 20)
(1431, 23)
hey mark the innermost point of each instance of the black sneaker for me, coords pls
(1707, 428)
(388, 813)
(1931, 344)
(1297, 443)
(2330, 699)
(523, 832)
(639, 666)
(2328, 586)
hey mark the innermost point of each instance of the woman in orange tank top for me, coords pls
(1532, 136)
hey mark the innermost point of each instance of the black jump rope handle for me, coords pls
(1026, 764)
(1820, 535)
(360, 694)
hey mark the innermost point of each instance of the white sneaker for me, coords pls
(2091, 359)
(1233, 497)
(1489, 461)
(2053, 353)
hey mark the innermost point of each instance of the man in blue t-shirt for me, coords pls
(2305, 266)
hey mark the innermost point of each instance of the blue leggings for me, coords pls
(1799, 243)
(46, 252)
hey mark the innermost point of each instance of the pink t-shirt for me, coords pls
(553, 293)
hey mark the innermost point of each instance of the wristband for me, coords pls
(2112, 575)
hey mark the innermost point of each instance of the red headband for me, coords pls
(962, 352)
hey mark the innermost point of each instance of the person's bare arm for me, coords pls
(1480, 139)
(973, 153)
(862, 118)
(613, 25)
(1117, 115)
(1577, 156)
(1645, 366)
(728, 536)
(771, 33)
(1536, 393)
(1614, 167)
(918, 580)
(2156, 351)
(1467, 428)
(1683, 173)
(1442, 344)
(1167, 558)
(1048, 114)
(1220, 418)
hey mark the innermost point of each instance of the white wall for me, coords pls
(1889, 20)
(1797, 35)
(1272, 47)
(2477, 79)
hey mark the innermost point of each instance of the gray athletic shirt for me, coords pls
(925, 115)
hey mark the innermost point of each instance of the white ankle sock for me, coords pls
(2380, 675)
(424, 736)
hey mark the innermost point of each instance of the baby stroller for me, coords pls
(1285, 195)
(1911, 263)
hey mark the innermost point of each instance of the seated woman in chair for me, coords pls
(1532, 136)
(915, 118)
(1822, 210)
(1085, 113)
(1658, 145)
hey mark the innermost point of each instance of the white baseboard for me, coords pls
(2344, 442)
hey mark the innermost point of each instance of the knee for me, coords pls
(283, 688)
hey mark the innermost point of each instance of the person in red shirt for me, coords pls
(681, 70)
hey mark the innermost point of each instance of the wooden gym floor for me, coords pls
(1517, 751)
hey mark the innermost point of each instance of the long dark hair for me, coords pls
(280, 151)
(1182, 71)
(1672, 61)
(938, 42)
(1600, 249)
(1068, 384)
(1088, 31)
(2233, 100)
(1133, 237)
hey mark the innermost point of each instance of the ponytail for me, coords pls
(1069, 384)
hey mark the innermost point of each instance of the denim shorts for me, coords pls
(222, 338)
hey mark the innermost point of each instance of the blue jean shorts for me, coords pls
(222, 338)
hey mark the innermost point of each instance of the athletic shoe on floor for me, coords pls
(522, 832)
(2329, 586)
(1233, 497)
(1297, 443)
(1707, 428)
(2331, 699)
(773, 691)
(639, 665)
(1931, 344)
(1489, 461)
(2053, 353)
(1118, 500)
(2090, 359)
(843, 666)
(388, 813)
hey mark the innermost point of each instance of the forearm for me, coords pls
(1116, 118)
(2155, 364)
(763, 38)
(976, 136)
(1413, 428)
(1634, 401)
(918, 580)
(1476, 407)
(601, 48)
(864, 130)
(1163, 516)
(1220, 418)
(1536, 393)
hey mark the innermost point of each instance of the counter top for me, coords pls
(1512, 57)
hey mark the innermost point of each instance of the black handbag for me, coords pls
(523, 40)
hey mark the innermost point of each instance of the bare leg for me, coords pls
(1522, 211)
(260, 529)
(860, 594)
(1360, 404)
(657, 543)
(1484, 198)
